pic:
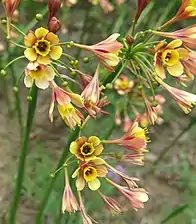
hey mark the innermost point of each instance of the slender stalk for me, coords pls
(23, 154)
(48, 190)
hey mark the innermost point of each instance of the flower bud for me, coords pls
(3, 72)
(129, 40)
(54, 25)
(39, 17)
(10, 6)
(15, 89)
(53, 7)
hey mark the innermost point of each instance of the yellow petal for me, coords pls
(75, 173)
(29, 39)
(73, 148)
(98, 149)
(52, 38)
(41, 32)
(76, 99)
(49, 73)
(94, 185)
(28, 81)
(183, 53)
(80, 183)
(94, 140)
(30, 54)
(175, 70)
(174, 44)
(42, 83)
(56, 52)
(101, 171)
(160, 70)
(43, 60)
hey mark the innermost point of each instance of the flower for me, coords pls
(40, 74)
(70, 115)
(186, 35)
(134, 139)
(171, 57)
(136, 197)
(86, 150)
(134, 158)
(91, 95)
(69, 203)
(40, 46)
(10, 6)
(141, 5)
(184, 99)
(123, 85)
(106, 51)
(113, 206)
(88, 172)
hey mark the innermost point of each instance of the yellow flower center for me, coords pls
(90, 173)
(42, 47)
(192, 3)
(65, 111)
(87, 149)
(170, 57)
(124, 85)
(37, 73)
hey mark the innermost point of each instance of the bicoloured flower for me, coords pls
(86, 149)
(170, 57)
(134, 158)
(68, 112)
(136, 196)
(106, 51)
(112, 205)
(184, 99)
(186, 35)
(91, 95)
(123, 85)
(134, 139)
(69, 202)
(89, 172)
(187, 10)
(41, 75)
(141, 5)
(41, 46)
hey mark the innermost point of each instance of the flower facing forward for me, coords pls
(89, 172)
(123, 85)
(68, 112)
(134, 139)
(41, 46)
(69, 203)
(86, 149)
(184, 99)
(170, 57)
(106, 51)
(40, 74)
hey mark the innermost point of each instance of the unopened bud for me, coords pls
(65, 83)
(54, 25)
(154, 103)
(109, 86)
(3, 72)
(10, 6)
(39, 17)
(129, 40)
(15, 89)
(29, 98)
(53, 7)
(73, 73)
(86, 60)
(3, 21)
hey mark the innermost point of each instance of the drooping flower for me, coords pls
(106, 51)
(171, 57)
(91, 95)
(112, 205)
(89, 172)
(141, 5)
(184, 99)
(40, 74)
(136, 196)
(134, 139)
(86, 150)
(69, 202)
(186, 35)
(123, 85)
(41, 46)
(134, 158)
(68, 112)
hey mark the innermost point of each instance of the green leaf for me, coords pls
(175, 212)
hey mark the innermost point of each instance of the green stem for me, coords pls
(22, 158)
(48, 190)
